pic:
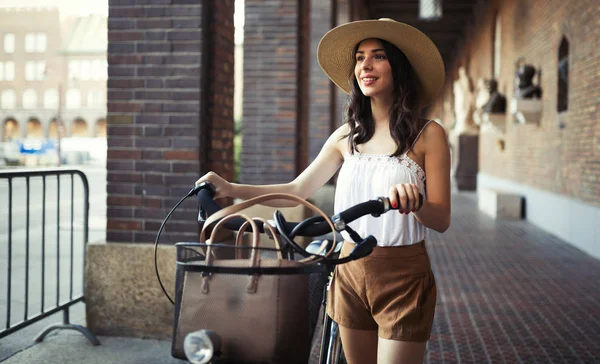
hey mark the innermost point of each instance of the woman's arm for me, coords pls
(435, 213)
(308, 182)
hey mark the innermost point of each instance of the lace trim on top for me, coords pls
(385, 159)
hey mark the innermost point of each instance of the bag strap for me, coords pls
(266, 226)
(269, 197)
(254, 256)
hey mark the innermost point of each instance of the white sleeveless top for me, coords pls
(364, 177)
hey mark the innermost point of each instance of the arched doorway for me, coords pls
(10, 130)
(101, 128)
(79, 128)
(53, 130)
(34, 129)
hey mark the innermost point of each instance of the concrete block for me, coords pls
(500, 204)
(122, 294)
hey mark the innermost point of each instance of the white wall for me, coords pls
(571, 220)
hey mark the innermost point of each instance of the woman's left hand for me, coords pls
(404, 197)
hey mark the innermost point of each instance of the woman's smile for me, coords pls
(368, 80)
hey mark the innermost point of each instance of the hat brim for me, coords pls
(335, 57)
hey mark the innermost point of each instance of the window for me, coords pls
(9, 43)
(85, 70)
(96, 99)
(430, 9)
(35, 42)
(563, 76)
(97, 70)
(73, 70)
(7, 71)
(88, 70)
(51, 99)
(29, 71)
(8, 100)
(29, 99)
(40, 42)
(73, 99)
(30, 43)
(35, 70)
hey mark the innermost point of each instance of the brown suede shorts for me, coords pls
(392, 290)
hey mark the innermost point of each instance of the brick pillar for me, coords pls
(269, 127)
(169, 82)
(343, 16)
(321, 89)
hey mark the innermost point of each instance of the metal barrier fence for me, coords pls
(39, 261)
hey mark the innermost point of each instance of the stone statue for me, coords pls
(463, 104)
(482, 96)
(496, 102)
(464, 136)
(526, 89)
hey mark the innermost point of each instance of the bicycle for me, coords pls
(203, 346)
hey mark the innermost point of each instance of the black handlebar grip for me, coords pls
(206, 192)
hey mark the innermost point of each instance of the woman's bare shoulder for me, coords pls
(435, 138)
(434, 130)
(340, 138)
(342, 131)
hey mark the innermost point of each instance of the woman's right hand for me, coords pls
(223, 188)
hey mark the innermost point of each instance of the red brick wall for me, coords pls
(157, 124)
(562, 161)
(220, 80)
(270, 90)
(320, 89)
(343, 16)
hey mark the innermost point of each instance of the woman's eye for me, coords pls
(380, 56)
(360, 58)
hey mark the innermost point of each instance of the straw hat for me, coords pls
(337, 61)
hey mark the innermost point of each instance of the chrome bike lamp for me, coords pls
(202, 346)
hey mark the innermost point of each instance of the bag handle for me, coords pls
(266, 226)
(269, 197)
(254, 255)
(255, 237)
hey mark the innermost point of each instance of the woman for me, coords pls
(384, 303)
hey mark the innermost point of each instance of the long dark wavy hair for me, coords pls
(405, 122)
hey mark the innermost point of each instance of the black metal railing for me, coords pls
(38, 257)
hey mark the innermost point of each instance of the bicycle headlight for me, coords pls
(201, 346)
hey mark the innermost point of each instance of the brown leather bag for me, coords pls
(262, 318)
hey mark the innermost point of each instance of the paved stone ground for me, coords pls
(510, 293)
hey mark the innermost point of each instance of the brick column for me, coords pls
(170, 81)
(270, 113)
(343, 16)
(321, 89)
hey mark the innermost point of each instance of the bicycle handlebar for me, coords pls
(313, 226)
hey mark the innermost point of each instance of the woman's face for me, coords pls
(372, 69)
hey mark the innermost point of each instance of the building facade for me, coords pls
(50, 68)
